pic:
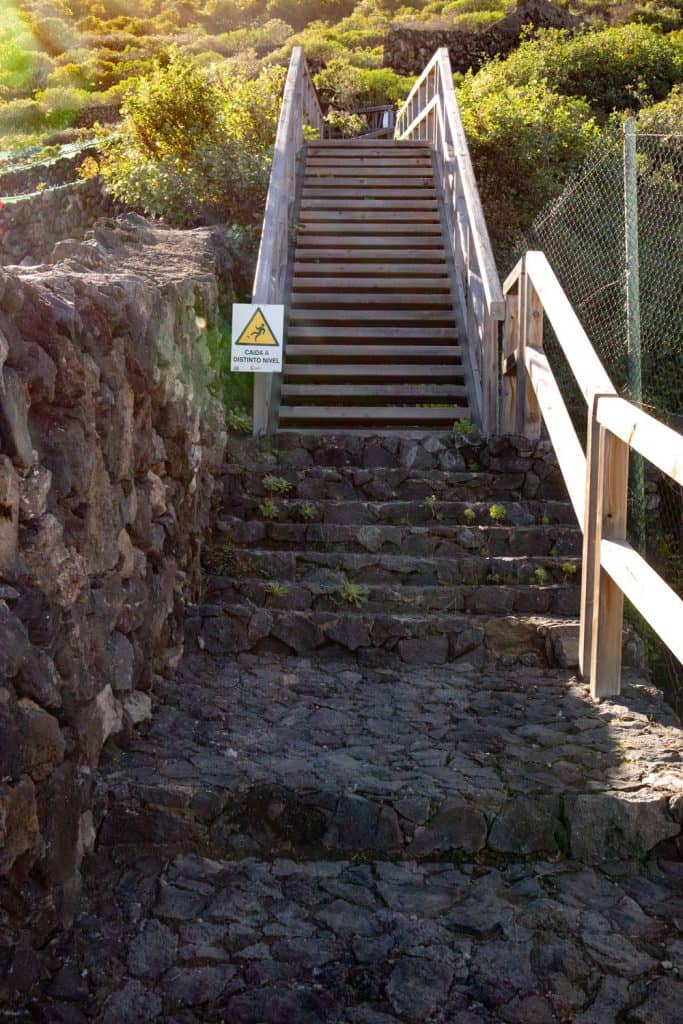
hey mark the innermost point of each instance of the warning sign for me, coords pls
(257, 333)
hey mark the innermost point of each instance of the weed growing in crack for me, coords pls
(470, 515)
(276, 484)
(277, 589)
(568, 569)
(497, 513)
(268, 509)
(353, 593)
(430, 503)
(239, 421)
(541, 577)
(307, 511)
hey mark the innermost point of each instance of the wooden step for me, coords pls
(356, 253)
(368, 173)
(361, 143)
(308, 300)
(402, 371)
(374, 414)
(360, 333)
(350, 191)
(383, 241)
(396, 391)
(361, 203)
(330, 217)
(381, 284)
(375, 182)
(375, 228)
(398, 316)
(326, 266)
(389, 352)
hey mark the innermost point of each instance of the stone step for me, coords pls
(430, 540)
(397, 450)
(340, 942)
(415, 637)
(349, 482)
(292, 757)
(325, 594)
(404, 513)
(305, 564)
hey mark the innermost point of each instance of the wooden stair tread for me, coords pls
(446, 351)
(380, 413)
(304, 300)
(358, 332)
(324, 267)
(401, 370)
(397, 390)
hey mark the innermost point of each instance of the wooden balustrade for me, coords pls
(431, 114)
(300, 109)
(597, 482)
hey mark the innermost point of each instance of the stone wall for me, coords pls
(31, 225)
(408, 50)
(110, 440)
(18, 181)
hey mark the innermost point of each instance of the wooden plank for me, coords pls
(356, 253)
(397, 390)
(372, 229)
(587, 369)
(375, 414)
(308, 300)
(445, 352)
(508, 403)
(418, 158)
(327, 266)
(528, 416)
(361, 203)
(401, 370)
(370, 284)
(367, 173)
(419, 239)
(659, 444)
(416, 316)
(567, 447)
(589, 562)
(330, 216)
(337, 195)
(371, 181)
(646, 590)
(610, 478)
(360, 144)
(363, 332)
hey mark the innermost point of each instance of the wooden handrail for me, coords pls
(597, 482)
(300, 108)
(431, 114)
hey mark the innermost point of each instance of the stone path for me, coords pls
(394, 809)
(192, 940)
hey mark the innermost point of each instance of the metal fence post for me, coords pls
(634, 361)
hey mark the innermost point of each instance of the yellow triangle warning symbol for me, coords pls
(257, 332)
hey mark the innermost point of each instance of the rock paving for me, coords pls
(272, 756)
(192, 940)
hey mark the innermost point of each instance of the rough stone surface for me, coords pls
(338, 942)
(408, 49)
(270, 755)
(101, 524)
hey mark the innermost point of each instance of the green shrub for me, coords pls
(349, 87)
(524, 142)
(194, 145)
(20, 115)
(612, 69)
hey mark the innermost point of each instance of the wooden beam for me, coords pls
(609, 477)
(659, 444)
(508, 398)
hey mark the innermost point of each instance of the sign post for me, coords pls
(257, 338)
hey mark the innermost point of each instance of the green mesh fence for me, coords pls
(615, 241)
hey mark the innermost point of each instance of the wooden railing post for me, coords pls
(508, 392)
(528, 414)
(602, 609)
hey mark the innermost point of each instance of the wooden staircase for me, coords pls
(371, 335)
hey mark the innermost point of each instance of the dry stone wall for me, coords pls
(408, 50)
(31, 225)
(110, 440)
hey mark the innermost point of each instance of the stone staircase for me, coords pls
(385, 807)
(420, 549)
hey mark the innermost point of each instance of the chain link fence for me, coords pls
(614, 237)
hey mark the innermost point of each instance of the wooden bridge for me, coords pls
(396, 318)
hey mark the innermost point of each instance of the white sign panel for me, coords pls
(257, 333)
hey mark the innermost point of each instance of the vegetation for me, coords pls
(199, 83)
(353, 593)
(276, 484)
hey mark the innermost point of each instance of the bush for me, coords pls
(20, 115)
(348, 87)
(524, 142)
(613, 69)
(194, 145)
